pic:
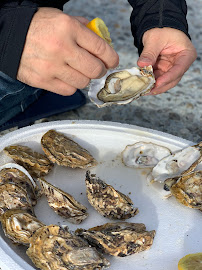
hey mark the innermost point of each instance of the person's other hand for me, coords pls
(61, 54)
(170, 52)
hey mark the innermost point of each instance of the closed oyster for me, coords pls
(35, 163)
(119, 239)
(106, 200)
(121, 87)
(55, 248)
(63, 203)
(15, 175)
(65, 152)
(174, 165)
(143, 154)
(14, 197)
(18, 225)
(187, 189)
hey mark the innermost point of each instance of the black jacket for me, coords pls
(15, 18)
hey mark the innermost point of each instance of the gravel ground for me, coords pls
(178, 111)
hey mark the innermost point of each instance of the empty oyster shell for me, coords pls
(121, 87)
(187, 189)
(143, 154)
(63, 203)
(65, 152)
(14, 197)
(35, 163)
(18, 225)
(119, 239)
(52, 247)
(108, 201)
(174, 165)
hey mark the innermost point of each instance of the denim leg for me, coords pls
(15, 97)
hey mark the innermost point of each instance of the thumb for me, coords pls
(149, 54)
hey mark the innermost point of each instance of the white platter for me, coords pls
(178, 228)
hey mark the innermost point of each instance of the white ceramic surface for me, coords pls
(178, 228)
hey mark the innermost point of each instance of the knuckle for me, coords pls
(100, 47)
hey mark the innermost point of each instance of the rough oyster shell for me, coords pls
(108, 201)
(174, 165)
(63, 203)
(121, 87)
(143, 154)
(52, 247)
(14, 197)
(119, 239)
(187, 189)
(18, 225)
(65, 152)
(35, 163)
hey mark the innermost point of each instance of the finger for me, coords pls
(95, 45)
(82, 20)
(160, 90)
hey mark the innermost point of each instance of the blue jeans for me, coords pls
(15, 97)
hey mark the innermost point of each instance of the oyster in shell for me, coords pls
(35, 163)
(187, 189)
(55, 248)
(12, 173)
(63, 203)
(121, 87)
(18, 225)
(65, 152)
(119, 239)
(106, 200)
(14, 197)
(143, 154)
(174, 165)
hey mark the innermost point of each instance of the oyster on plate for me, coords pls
(121, 87)
(119, 239)
(13, 196)
(187, 189)
(55, 248)
(143, 154)
(174, 165)
(63, 203)
(106, 200)
(18, 225)
(65, 152)
(35, 163)
(14, 173)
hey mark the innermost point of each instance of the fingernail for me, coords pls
(144, 59)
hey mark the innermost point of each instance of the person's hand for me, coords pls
(61, 54)
(170, 52)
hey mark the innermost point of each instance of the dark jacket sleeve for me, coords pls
(149, 14)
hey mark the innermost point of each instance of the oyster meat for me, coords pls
(174, 165)
(187, 189)
(63, 203)
(121, 87)
(108, 201)
(65, 152)
(119, 239)
(14, 197)
(18, 225)
(35, 163)
(55, 248)
(143, 154)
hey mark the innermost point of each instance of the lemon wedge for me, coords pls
(99, 27)
(191, 262)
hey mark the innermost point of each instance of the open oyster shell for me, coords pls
(35, 163)
(108, 201)
(14, 197)
(143, 154)
(52, 247)
(121, 86)
(187, 189)
(18, 225)
(63, 203)
(65, 152)
(119, 239)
